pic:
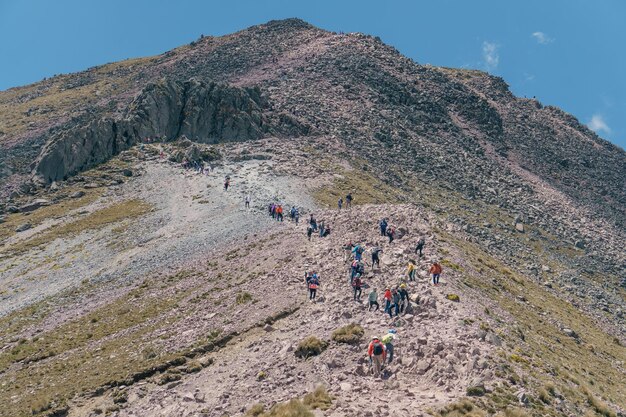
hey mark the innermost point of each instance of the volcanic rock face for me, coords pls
(203, 112)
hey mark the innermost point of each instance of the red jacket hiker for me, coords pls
(435, 269)
(370, 348)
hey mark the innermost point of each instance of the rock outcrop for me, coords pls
(205, 112)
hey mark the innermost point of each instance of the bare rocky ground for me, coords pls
(195, 306)
(438, 355)
(189, 217)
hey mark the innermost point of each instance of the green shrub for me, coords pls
(311, 346)
(453, 297)
(351, 334)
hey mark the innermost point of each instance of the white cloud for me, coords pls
(542, 38)
(598, 124)
(490, 55)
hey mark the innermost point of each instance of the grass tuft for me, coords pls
(243, 297)
(311, 346)
(350, 334)
(318, 399)
(453, 297)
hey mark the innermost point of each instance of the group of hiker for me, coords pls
(348, 202)
(386, 229)
(380, 351)
(396, 299)
(320, 227)
(276, 212)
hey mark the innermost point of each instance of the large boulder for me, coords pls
(34, 205)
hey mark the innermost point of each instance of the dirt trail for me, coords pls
(191, 215)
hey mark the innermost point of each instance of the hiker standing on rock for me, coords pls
(376, 256)
(296, 216)
(395, 300)
(372, 298)
(347, 251)
(355, 268)
(383, 226)
(309, 232)
(435, 272)
(356, 283)
(411, 270)
(420, 246)
(313, 222)
(226, 183)
(377, 355)
(339, 203)
(247, 201)
(279, 213)
(387, 297)
(391, 233)
(349, 200)
(358, 252)
(314, 283)
(404, 297)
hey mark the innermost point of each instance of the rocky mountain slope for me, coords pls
(131, 286)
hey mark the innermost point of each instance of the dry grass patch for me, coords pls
(311, 346)
(365, 188)
(350, 334)
(128, 209)
(243, 297)
(462, 408)
(111, 343)
(53, 211)
(318, 399)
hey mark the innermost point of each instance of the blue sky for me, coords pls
(568, 53)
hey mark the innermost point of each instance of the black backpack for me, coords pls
(378, 348)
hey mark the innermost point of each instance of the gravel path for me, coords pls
(192, 215)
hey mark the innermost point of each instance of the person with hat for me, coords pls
(377, 354)
(388, 342)
(411, 270)
(404, 297)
